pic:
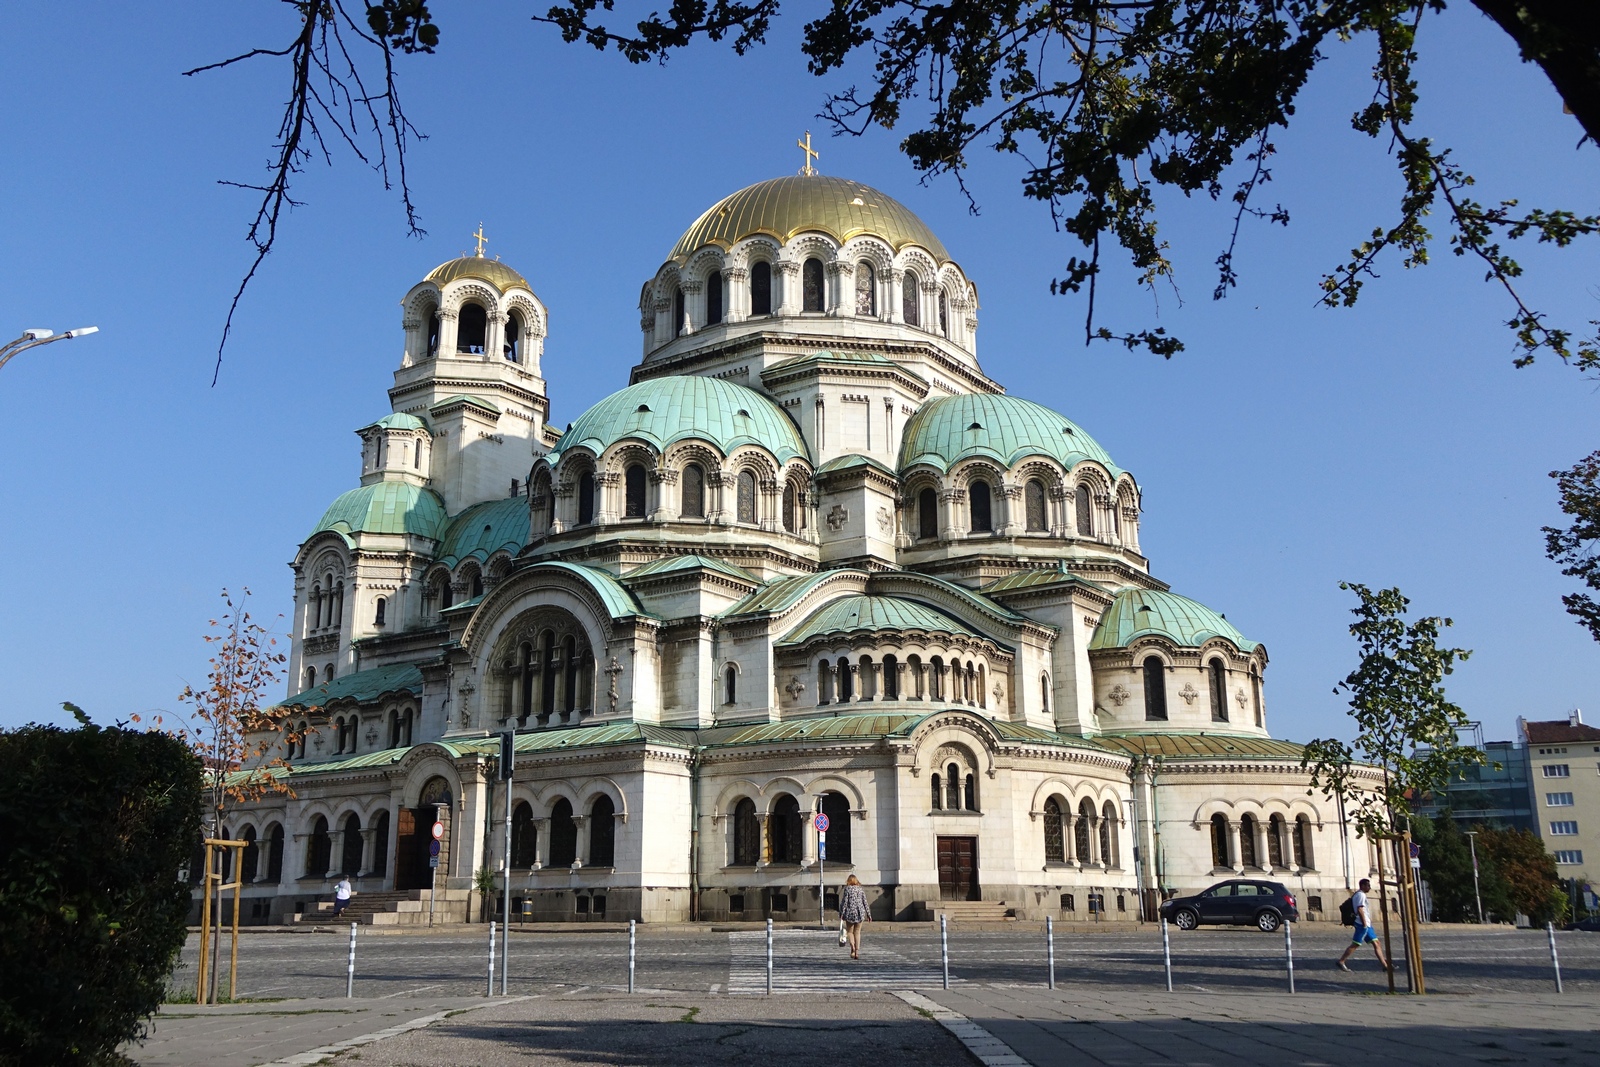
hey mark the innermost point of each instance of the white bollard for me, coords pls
(944, 946)
(1288, 951)
(1555, 960)
(1050, 947)
(490, 992)
(1166, 953)
(350, 968)
(769, 957)
(631, 924)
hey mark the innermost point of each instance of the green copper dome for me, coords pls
(484, 529)
(1006, 429)
(662, 411)
(389, 507)
(1186, 623)
(397, 421)
(854, 614)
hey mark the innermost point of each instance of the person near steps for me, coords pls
(1364, 933)
(853, 912)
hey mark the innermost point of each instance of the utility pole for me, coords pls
(1472, 841)
(35, 338)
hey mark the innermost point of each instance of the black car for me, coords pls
(1591, 924)
(1236, 902)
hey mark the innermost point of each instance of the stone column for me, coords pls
(694, 306)
(1069, 831)
(842, 289)
(367, 839)
(447, 332)
(897, 279)
(875, 669)
(856, 695)
(663, 331)
(900, 679)
(494, 336)
(1012, 521)
(1233, 845)
(717, 484)
(950, 514)
(764, 856)
(787, 274)
(665, 482)
(605, 486)
(335, 853)
(582, 823)
(736, 308)
(1263, 856)
(541, 843)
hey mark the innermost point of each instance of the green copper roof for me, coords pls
(618, 601)
(467, 398)
(779, 594)
(387, 507)
(852, 614)
(844, 463)
(484, 529)
(673, 564)
(362, 686)
(662, 411)
(1200, 746)
(1006, 429)
(1035, 577)
(1186, 623)
(397, 421)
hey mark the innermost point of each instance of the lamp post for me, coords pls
(1472, 842)
(35, 338)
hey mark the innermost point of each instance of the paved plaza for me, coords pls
(419, 999)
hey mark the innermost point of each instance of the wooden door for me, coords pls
(414, 834)
(958, 868)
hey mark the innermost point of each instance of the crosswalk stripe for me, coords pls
(813, 961)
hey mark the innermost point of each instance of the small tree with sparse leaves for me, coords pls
(1406, 729)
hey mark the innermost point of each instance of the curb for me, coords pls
(317, 1055)
(988, 1049)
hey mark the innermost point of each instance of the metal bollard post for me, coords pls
(490, 992)
(1555, 960)
(1166, 953)
(505, 954)
(350, 968)
(1050, 947)
(944, 946)
(1288, 951)
(769, 957)
(631, 925)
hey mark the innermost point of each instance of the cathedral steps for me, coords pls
(407, 908)
(958, 911)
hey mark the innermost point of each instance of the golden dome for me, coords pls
(492, 271)
(783, 207)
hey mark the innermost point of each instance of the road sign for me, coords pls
(508, 755)
(438, 830)
(433, 861)
(821, 823)
(433, 848)
(1416, 850)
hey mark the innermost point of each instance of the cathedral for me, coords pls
(811, 559)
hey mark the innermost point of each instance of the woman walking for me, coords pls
(853, 912)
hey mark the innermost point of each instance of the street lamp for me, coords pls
(35, 338)
(1472, 842)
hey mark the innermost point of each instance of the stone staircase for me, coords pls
(406, 908)
(959, 911)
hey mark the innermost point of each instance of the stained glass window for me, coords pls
(811, 286)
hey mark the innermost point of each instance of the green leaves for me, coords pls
(1407, 732)
(1577, 547)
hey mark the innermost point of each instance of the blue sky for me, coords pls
(1290, 447)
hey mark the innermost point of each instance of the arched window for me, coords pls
(812, 288)
(319, 850)
(891, 678)
(472, 326)
(381, 608)
(694, 492)
(714, 298)
(927, 514)
(784, 830)
(910, 300)
(275, 854)
(952, 787)
(1277, 829)
(1081, 830)
(847, 682)
(747, 497)
(978, 504)
(585, 498)
(338, 605)
(1247, 841)
(1155, 689)
(633, 491)
(569, 659)
(433, 333)
(380, 845)
(602, 832)
(350, 861)
(1108, 835)
(1044, 692)
(790, 508)
(447, 598)
(1302, 843)
(944, 314)
(416, 457)
(761, 288)
(937, 665)
(477, 583)
(938, 793)
(837, 809)
(314, 607)
(1218, 676)
(730, 684)
(677, 312)
(1034, 506)
(311, 677)
(1219, 841)
(250, 855)
(511, 347)
(1055, 842)
(1255, 693)
(866, 290)
(970, 793)
(746, 834)
(563, 835)
(1085, 512)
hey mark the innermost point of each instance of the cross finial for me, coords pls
(811, 153)
(481, 239)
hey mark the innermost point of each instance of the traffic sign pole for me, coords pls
(821, 823)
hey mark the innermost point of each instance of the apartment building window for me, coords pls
(1557, 770)
(1553, 751)
(1564, 829)
(1558, 800)
(1574, 856)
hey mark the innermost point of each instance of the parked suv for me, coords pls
(1236, 902)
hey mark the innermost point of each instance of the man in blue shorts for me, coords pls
(1364, 934)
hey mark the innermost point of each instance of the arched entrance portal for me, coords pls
(412, 869)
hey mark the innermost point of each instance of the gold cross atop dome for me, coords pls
(481, 239)
(811, 153)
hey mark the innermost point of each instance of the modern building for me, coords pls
(1565, 760)
(811, 557)
(1497, 793)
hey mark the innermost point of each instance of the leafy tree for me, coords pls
(1577, 547)
(1528, 872)
(1447, 864)
(93, 912)
(1102, 102)
(1406, 730)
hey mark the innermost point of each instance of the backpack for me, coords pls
(1347, 913)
